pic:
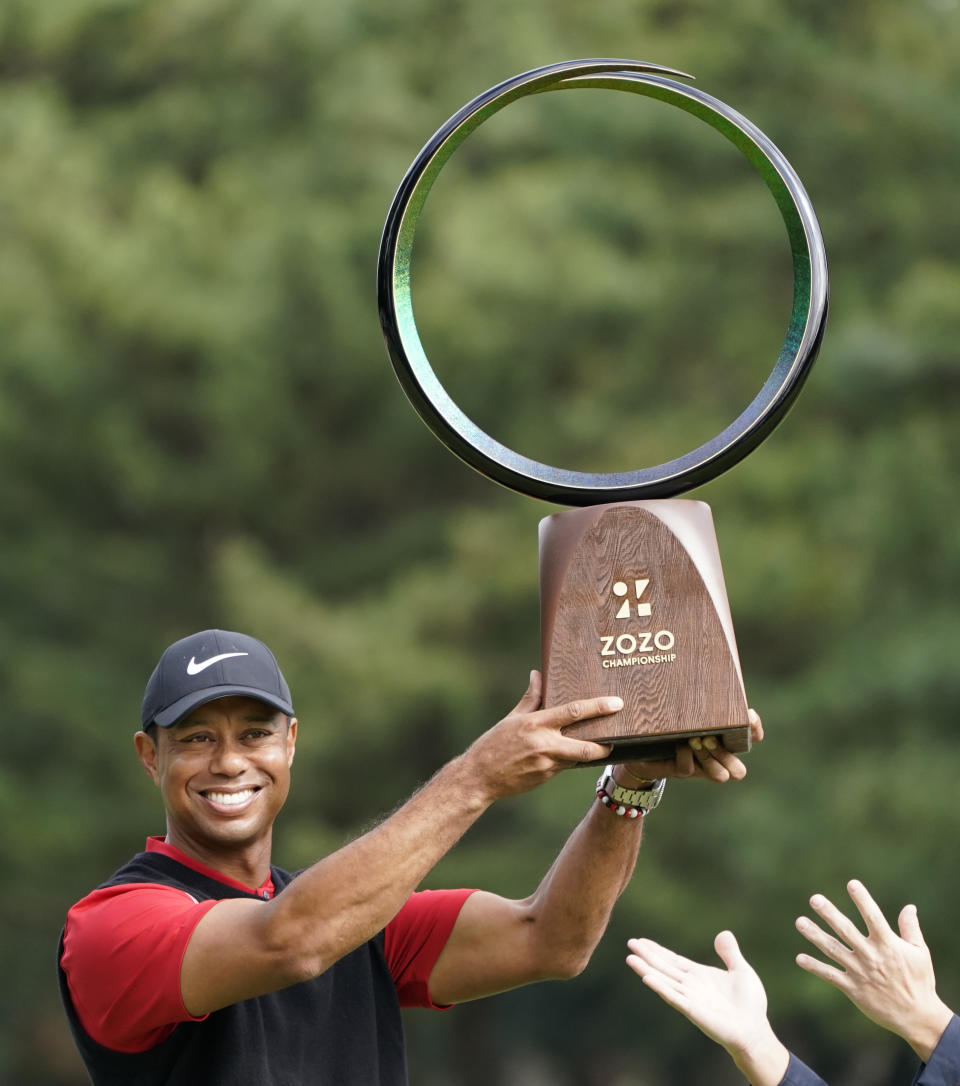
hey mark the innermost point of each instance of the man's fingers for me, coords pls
(653, 952)
(530, 701)
(685, 761)
(565, 752)
(683, 764)
(659, 958)
(730, 762)
(841, 924)
(669, 985)
(586, 753)
(667, 990)
(728, 949)
(822, 940)
(870, 911)
(909, 924)
(836, 977)
(638, 965)
(560, 716)
(756, 726)
(704, 751)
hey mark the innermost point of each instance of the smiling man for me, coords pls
(200, 962)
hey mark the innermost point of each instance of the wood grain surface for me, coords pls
(625, 610)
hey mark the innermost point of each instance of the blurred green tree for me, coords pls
(198, 427)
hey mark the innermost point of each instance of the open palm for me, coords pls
(729, 1005)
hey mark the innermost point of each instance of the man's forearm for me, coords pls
(347, 897)
(571, 907)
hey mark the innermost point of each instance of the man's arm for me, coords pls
(498, 943)
(728, 1005)
(888, 977)
(244, 948)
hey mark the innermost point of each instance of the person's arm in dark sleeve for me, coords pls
(798, 1074)
(943, 1067)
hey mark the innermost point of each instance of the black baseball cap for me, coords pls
(209, 665)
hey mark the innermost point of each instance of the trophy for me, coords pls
(632, 598)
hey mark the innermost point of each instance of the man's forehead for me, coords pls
(234, 705)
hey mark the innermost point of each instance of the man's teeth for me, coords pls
(230, 799)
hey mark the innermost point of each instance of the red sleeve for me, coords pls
(414, 938)
(123, 947)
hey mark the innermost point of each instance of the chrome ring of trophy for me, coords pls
(477, 448)
(632, 598)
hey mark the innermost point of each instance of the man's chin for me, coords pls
(227, 835)
(235, 836)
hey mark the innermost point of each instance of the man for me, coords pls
(189, 965)
(889, 977)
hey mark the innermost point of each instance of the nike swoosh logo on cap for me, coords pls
(193, 668)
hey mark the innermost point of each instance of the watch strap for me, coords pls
(644, 799)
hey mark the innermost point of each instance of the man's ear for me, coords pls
(291, 740)
(147, 753)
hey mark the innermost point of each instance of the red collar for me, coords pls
(158, 844)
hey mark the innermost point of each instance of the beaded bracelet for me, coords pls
(620, 809)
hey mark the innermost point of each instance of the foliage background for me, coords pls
(199, 426)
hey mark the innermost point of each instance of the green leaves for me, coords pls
(199, 426)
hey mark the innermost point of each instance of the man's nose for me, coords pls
(228, 759)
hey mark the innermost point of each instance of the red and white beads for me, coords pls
(620, 809)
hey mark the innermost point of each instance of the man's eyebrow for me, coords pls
(184, 725)
(266, 715)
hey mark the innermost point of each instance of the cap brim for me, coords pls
(179, 709)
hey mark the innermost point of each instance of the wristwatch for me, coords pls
(644, 799)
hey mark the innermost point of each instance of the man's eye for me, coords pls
(258, 733)
(195, 738)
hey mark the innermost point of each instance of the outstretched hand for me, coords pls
(889, 977)
(728, 1005)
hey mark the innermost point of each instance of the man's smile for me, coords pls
(230, 800)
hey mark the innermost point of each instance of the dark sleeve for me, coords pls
(798, 1074)
(943, 1069)
(414, 938)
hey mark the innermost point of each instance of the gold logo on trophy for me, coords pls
(652, 647)
(621, 589)
(660, 642)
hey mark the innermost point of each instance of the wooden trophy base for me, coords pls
(632, 602)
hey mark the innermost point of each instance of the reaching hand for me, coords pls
(887, 977)
(728, 1005)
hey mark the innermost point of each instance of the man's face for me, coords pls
(224, 772)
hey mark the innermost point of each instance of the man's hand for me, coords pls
(700, 758)
(887, 977)
(728, 1005)
(528, 746)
